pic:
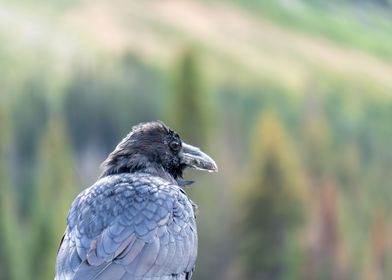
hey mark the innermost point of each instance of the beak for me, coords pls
(193, 157)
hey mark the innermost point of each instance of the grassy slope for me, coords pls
(235, 44)
(230, 39)
(359, 25)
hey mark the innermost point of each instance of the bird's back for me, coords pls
(131, 227)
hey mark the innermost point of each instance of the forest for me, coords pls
(292, 98)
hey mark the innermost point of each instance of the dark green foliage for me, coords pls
(187, 109)
(11, 249)
(55, 188)
(6, 210)
(129, 97)
(189, 113)
(30, 116)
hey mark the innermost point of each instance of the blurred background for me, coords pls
(292, 98)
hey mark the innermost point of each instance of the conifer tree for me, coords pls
(54, 190)
(272, 204)
(11, 259)
(188, 112)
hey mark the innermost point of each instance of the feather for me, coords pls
(132, 239)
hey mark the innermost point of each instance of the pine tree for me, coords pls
(189, 115)
(187, 112)
(54, 191)
(272, 204)
(11, 259)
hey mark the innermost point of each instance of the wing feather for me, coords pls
(130, 227)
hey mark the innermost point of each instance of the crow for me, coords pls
(135, 222)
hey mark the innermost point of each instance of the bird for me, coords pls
(136, 221)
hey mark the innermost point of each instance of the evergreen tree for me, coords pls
(272, 204)
(54, 191)
(11, 259)
(188, 112)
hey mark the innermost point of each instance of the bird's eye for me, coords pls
(175, 145)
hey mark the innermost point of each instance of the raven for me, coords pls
(135, 222)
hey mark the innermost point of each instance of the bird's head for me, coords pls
(154, 148)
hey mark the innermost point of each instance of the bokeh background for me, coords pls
(293, 98)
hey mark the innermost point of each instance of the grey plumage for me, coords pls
(137, 224)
